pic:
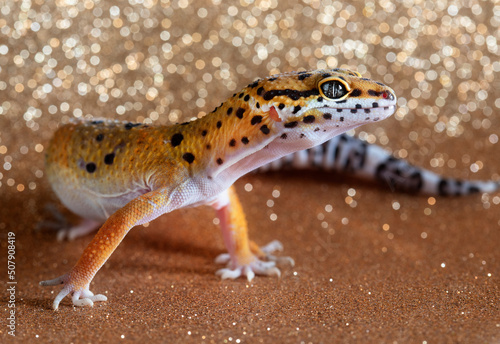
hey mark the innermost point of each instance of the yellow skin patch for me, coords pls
(125, 174)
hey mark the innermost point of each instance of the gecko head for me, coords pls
(314, 106)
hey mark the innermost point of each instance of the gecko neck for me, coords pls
(224, 137)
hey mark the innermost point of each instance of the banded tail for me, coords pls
(347, 154)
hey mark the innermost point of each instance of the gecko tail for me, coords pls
(349, 155)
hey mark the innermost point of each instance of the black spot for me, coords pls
(296, 109)
(188, 157)
(90, 167)
(208, 146)
(354, 110)
(320, 99)
(229, 111)
(304, 76)
(176, 139)
(291, 124)
(356, 92)
(97, 122)
(256, 119)
(327, 116)
(367, 111)
(341, 119)
(342, 101)
(265, 129)
(109, 158)
(99, 137)
(240, 95)
(442, 187)
(281, 106)
(317, 129)
(130, 125)
(292, 94)
(186, 123)
(375, 104)
(254, 84)
(219, 124)
(358, 106)
(257, 105)
(245, 140)
(325, 75)
(374, 93)
(340, 110)
(247, 98)
(473, 189)
(302, 135)
(272, 79)
(260, 90)
(204, 133)
(284, 136)
(220, 161)
(309, 119)
(240, 112)
(232, 143)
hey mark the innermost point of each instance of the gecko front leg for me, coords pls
(138, 211)
(244, 257)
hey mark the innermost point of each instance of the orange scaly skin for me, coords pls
(122, 174)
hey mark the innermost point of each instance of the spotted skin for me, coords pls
(125, 174)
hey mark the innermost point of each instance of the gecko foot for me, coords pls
(83, 228)
(81, 296)
(257, 266)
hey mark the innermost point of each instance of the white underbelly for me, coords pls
(95, 206)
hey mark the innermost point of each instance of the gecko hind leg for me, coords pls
(85, 227)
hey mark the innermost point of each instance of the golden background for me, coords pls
(372, 266)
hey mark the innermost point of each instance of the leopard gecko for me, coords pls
(117, 175)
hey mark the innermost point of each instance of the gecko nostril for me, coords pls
(388, 95)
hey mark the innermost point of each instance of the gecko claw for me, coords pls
(81, 297)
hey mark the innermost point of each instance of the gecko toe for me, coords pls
(228, 273)
(273, 246)
(222, 258)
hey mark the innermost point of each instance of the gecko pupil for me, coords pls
(333, 89)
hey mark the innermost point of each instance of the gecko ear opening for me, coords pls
(273, 113)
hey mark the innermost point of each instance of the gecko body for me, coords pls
(117, 175)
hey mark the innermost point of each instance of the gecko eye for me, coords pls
(333, 88)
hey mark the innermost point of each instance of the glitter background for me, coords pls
(371, 265)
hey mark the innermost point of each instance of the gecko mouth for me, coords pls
(371, 114)
(361, 109)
